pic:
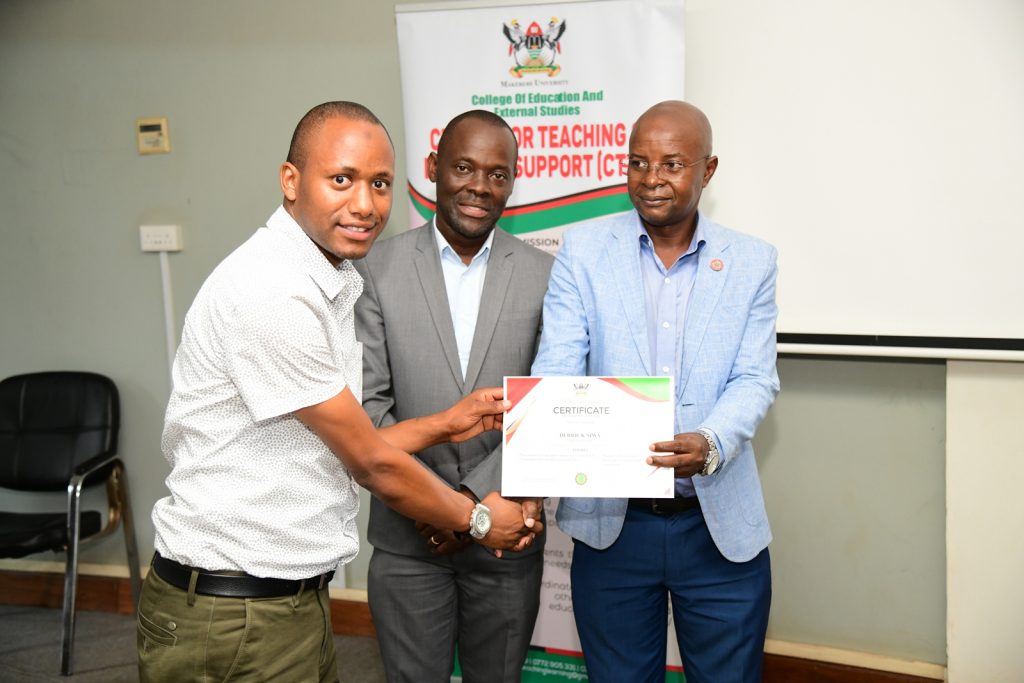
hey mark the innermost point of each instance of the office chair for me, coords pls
(58, 431)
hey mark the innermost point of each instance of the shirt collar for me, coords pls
(443, 246)
(331, 280)
(698, 240)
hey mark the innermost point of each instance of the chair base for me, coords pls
(120, 505)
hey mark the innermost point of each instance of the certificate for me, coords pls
(586, 437)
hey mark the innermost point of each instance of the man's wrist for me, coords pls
(451, 423)
(712, 459)
(437, 428)
(463, 533)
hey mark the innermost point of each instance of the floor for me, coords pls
(105, 649)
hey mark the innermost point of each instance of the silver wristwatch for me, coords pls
(711, 460)
(479, 521)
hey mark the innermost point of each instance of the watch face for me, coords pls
(479, 521)
(483, 521)
(713, 463)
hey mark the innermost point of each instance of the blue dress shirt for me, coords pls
(666, 296)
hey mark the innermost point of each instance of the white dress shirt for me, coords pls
(464, 284)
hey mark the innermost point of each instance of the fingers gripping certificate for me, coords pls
(586, 437)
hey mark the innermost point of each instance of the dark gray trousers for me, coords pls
(424, 607)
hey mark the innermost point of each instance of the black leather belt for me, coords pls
(232, 585)
(665, 506)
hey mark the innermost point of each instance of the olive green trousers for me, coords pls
(189, 638)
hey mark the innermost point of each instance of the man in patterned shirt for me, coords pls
(267, 439)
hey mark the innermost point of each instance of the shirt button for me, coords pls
(668, 281)
(665, 325)
(664, 368)
(171, 626)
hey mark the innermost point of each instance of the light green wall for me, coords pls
(851, 454)
(233, 78)
(852, 460)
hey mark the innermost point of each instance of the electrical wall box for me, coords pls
(160, 237)
(153, 137)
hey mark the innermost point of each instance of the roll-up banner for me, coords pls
(570, 78)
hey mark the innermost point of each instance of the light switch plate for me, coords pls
(153, 136)
(160, 237)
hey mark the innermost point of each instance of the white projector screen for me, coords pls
(880, 146)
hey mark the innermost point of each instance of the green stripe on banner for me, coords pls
(422, 209)
(654, 388)
(569, 213)
(551, 667)
(544, 667)
(533, 221)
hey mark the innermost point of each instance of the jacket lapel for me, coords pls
(708, 284)
(500, 265)
(623, 256)
(428, 269)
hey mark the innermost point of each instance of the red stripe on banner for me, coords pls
(425, 201)
(568, 653)
(536, 207)
(562, 201)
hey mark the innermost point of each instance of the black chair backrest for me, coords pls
(52, 422)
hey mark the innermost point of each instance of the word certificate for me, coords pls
(586, 437)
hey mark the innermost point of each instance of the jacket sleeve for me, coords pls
(753, 380)
(565, 340)
(378, 394)
(486, 476)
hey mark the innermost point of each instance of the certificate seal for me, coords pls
(581, 478)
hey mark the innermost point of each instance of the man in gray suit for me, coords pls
(450, 306)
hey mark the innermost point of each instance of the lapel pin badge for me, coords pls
(717, 264)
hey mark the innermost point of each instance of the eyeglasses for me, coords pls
(666, 170)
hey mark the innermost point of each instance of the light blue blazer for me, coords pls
(595, 324)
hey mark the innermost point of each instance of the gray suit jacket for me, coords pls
(411, 362)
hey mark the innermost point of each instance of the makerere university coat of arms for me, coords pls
(534, 50)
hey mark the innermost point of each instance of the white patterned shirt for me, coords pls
(252, 488)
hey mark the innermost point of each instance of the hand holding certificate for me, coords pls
(586, 436)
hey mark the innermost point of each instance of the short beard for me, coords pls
(454, 221)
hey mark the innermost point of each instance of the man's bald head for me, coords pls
(670, 164)
(315, 118)
(480, 115)
(679, 115)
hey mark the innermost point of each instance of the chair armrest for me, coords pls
(94, 463)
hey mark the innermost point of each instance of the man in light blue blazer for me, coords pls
(661, 291)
